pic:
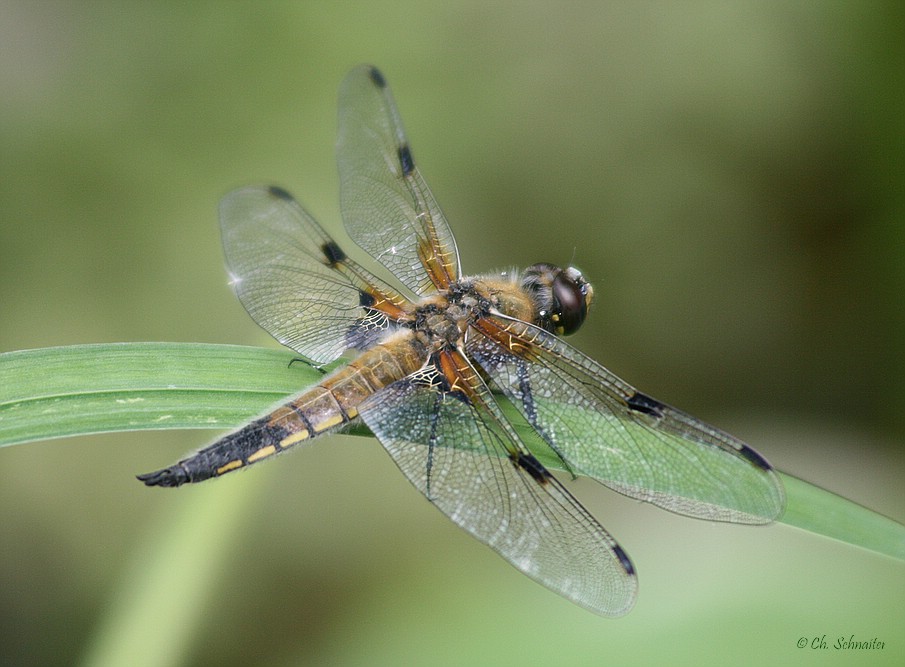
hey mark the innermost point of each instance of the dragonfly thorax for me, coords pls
(442, 320)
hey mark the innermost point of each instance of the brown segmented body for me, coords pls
(438, 322)
(334, 402)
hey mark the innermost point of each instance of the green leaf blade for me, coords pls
(84, 389)
(60, 392)
(820, 511)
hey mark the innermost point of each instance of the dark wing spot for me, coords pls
(279, 193)
(377, 78)
(624, 559)
(368, 329)
(333, 253)
(645, 404)
(754, 458)
(532, 466)
(406, 160)
(366, 299)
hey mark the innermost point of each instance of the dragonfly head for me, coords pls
(561, 297)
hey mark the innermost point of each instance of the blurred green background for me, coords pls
(728, 174)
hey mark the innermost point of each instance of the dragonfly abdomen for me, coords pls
(325, 407)
(254, 441)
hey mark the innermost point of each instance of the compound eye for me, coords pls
(571, 298)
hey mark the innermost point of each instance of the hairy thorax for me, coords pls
(442, 320)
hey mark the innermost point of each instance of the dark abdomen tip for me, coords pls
(168, 477)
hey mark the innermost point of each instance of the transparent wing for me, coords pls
(387, 207)
(296, 282)
(603, 427)
(448, 437)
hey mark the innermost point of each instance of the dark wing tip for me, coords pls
(624, 560)
(377, 77)
(753, 457)
(279, 193)
(168, 477)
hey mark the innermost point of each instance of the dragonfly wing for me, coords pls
(387, 207)
(448, 437)
(296, 282)
(603, 427)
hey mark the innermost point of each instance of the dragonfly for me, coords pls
(435, 353)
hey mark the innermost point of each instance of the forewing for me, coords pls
(296, 282)
(603, 427)
(387, 207)
(448, 437)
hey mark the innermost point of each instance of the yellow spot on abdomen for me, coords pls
(294, 438)
(262, 453)
(330, 422)
(232, 465)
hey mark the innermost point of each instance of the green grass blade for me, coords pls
(65, 391)
(819, 511)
